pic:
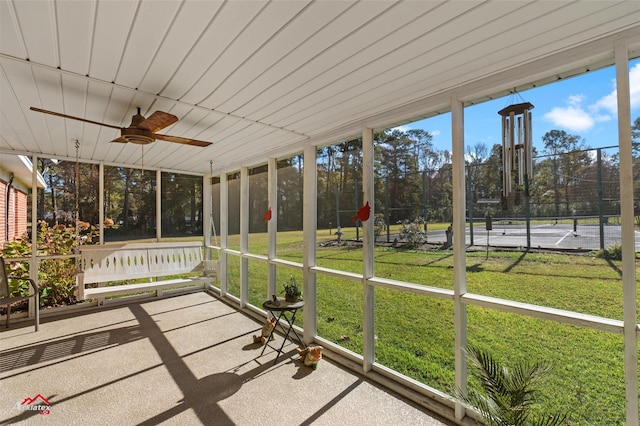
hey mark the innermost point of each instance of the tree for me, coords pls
(399, 161)
(474, 159)
(181, 205)
(635, 146)
(491, 176)
(635, 137)
(570, 159)
(326, 165)
(405, 159)
(290, 193)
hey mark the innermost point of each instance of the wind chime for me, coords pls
(517, 148)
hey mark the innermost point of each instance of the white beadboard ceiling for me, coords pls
(261, 79)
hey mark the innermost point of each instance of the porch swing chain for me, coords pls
(213, 224)
(77, 210)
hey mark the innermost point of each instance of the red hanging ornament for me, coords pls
(267, 215)
(362, 214)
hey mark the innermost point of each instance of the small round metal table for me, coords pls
(280, 309)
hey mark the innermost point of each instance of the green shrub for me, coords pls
(613, 252)
(413, 232)
(56, 277)
(379, 225)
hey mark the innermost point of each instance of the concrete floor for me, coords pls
(183, 360)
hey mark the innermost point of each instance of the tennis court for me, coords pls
(559, 236)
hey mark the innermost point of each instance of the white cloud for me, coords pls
(610, 102)
(402, 128)
(576, 99)
(634, 86)
(573, 116)
(435, 133)
(577, 118)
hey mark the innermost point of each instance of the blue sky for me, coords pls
(583, 106)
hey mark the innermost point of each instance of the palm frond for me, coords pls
(508, 395)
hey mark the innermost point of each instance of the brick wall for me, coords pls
(3, 197)
(20, 204)
(17, 213)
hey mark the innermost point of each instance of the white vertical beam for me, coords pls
(224, 233)
(309, 225)
(34, 309)
(368, 328)
(459, 248)
(207, 217)
(628, 233)
(158, 205)
(101, 201)
(244, 236)
(272, 225)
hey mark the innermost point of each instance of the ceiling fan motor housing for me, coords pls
(137, 135)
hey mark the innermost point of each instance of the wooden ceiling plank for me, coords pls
(75, 31)
(11, 41)
(316, 24)
(230, 21)
(32, 15)
(320, 54)
(147, 33)
(110, 33)
(191, 21)
(256, 49)
(406, 43)
(444, 62)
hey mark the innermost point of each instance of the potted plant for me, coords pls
(292, 292)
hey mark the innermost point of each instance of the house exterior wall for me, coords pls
(15, 222)
(20, 203)
(3, 212)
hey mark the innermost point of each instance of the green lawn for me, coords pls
(414, 334)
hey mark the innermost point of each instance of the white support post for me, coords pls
(34, 309)
(459, 249)
(628, 232)
(244, 236)
(101, 201)
(368, 328)
(310, 224)
(158, 205)
(272, 226)
(207, 202)
(224, 233)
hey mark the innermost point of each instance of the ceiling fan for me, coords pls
(141, 131)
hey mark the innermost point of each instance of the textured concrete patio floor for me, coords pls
(183, 360)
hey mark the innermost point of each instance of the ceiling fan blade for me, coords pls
(185, 141)
(57, 114)
(157, 121)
